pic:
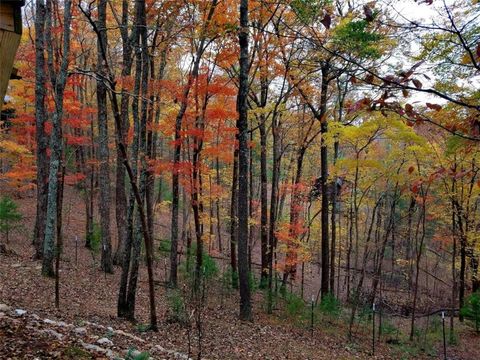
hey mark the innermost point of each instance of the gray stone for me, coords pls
(80, 331)
(20, 312)
(105, 342)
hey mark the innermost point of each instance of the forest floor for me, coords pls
(85, 325)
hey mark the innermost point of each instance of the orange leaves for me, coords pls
(73, 179)
(76, 140)
(21, 174)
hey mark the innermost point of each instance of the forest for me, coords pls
(219, 179)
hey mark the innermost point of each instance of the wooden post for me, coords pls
(444, 341)
(311, 320)
(373, 329)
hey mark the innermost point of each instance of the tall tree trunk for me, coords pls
(242, 125)
(103, 152)
(234, 220)
(58, 80)
(142, 68)
(59, 236)
(334, 221)
(324, 177)
(121, 204)
(263, 202)
(131, 256)
(295, 221)
(110, 78)
(40, 134)
(419, 252)
(273, 209)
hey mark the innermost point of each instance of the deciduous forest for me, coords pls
(218, 179)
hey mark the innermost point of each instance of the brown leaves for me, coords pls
(326, 21)
(409, 109)
(369, 15)
(369, 79)
(435, 107)
(418, 84)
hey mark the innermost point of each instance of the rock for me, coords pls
(63, 324)
(133, 337)
(93, 347)
(4, 308)
(20, 312)
(49, 322)
(105, 342)
(52, 333)
(17, 265)
(80, 331)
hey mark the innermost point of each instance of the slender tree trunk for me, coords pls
(178, 145)
(138, 199)
(263, 202)
(324, 176)
(121, 204)
(333, 221)
(59, 237)
(295, 221)
(103, 152)
(40, 134)
(419, 252)
(273, 209)
(242, 125)
(234, 220)
(217, 207)
(58, 79)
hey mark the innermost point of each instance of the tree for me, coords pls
(58, 80)
(103, 152)
(41, 136)
(9, 216)
(471, 310)
(242, 124)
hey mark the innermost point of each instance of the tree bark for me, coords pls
(103, 152)
(121, 204)
(40, 134)
(58, 80)
(242, 125)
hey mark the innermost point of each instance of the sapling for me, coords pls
(9, 216)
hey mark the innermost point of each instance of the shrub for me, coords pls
(9, 216)
(95, 238)
(209, 266)
(471, 310)
(294, 305)
(330, 306)
(176, 307)
(165, 246)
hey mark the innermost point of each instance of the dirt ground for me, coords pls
(89, 298)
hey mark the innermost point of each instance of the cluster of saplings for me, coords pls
(188, 304)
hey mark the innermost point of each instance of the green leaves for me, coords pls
(9, 215)
(308, 10)
(354, 36)
(471, 310)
